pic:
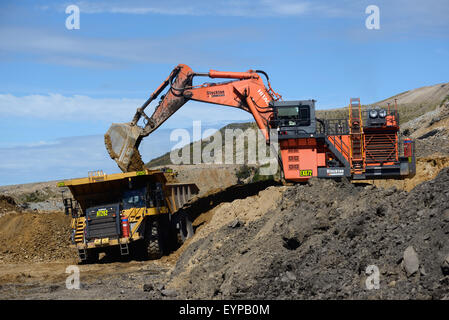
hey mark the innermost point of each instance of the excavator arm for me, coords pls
(245, 91)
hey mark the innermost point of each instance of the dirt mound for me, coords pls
(7, 204)
(239, 211)
(35, 237)
(318, 241)
(136, 163)
(211, 211)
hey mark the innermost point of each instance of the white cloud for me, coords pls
(60, 159)
(290, 8)
(61, 48)
(401, 10)
(84, 108)
(76, 50)
(261, 8)
(57, 106)
(136, 7)
(423, 17)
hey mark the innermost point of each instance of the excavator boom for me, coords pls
(247, 92)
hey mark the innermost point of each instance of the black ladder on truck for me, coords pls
(356, 133)
(124, 250)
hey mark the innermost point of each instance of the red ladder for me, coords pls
(356, 131)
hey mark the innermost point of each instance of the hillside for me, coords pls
(414, 103)
(165, 158)
(44, 196)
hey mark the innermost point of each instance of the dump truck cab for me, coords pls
(123, 213)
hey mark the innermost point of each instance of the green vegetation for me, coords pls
(446, 99)
(37, 196)
(258, 177)
(409, 112)
(244, 172)
(34, 196)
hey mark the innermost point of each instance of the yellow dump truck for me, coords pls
(137, 213)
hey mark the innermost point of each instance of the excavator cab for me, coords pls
(294, 118)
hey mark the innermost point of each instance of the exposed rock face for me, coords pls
(318, 241)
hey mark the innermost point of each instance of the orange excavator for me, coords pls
(365, 145)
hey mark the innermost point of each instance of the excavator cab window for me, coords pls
(294, 116)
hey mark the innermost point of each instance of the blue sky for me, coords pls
(61, 89)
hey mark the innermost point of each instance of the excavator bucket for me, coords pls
(122, 139)
(122, 142)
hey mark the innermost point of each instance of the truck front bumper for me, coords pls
(105, 242)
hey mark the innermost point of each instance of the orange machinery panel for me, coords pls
(301, 159)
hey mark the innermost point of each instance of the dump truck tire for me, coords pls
(175, 237)
(186, 230)
(153, 248)
(151, 241)
(155, 242)
(92, 257)
(164, 233)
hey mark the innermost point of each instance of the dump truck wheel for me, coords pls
(164, 232)
(175, 237)
(151, 241)
(186, 230)
(92, 256)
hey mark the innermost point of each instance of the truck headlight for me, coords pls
(382, 113)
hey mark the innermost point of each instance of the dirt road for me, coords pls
(115, 280)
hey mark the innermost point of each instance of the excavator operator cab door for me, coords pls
(294, 118)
